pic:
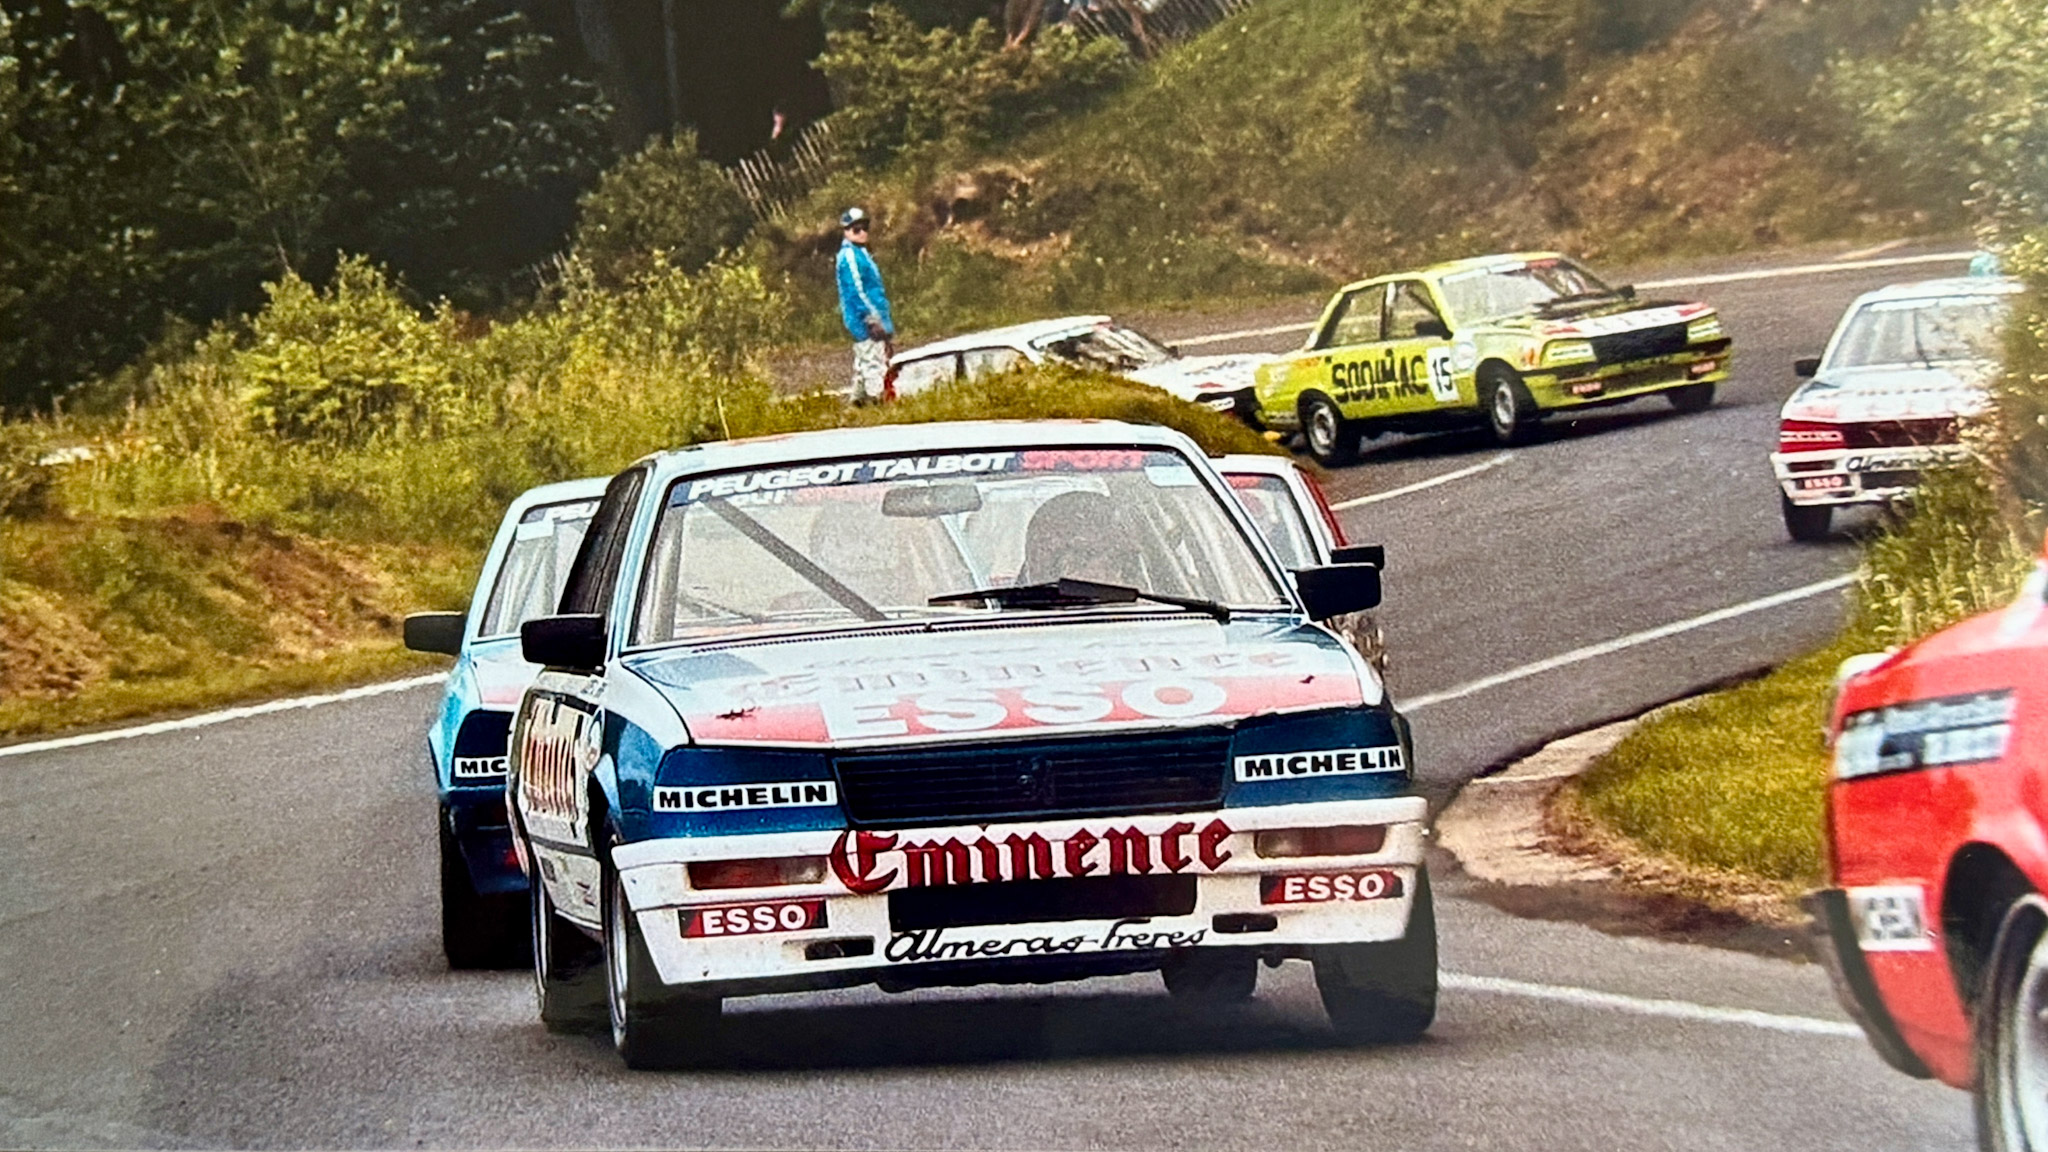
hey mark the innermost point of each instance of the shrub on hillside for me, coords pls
(898, 86)
(665, 198)
(26, 483)
(1952, 555)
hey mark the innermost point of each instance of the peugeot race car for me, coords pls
(955, 704)
(483, 893)
(1936, 927)
(1907, 367)
(1223, 383)
(1289, 509)
(1498, 340)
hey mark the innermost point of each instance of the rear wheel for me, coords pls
(1385, 992)
(2012, 1035)
(1805, 523)
(654, 1025)
(1510, 410)
(1211, 975)
(478, 931)
(1692, 398)
(1332, 439)
(568, 970)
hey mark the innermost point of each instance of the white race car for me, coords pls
(1906, 367)
(1289, 509)
(1223, 383)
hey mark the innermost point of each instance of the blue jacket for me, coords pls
(860, 291)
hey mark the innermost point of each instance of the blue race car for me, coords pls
(484, 918)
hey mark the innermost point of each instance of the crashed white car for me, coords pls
(1906, 368)
(1223, 383)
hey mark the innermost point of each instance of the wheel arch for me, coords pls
(1981, 885)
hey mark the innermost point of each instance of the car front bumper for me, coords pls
(1592, 385)
(1857, 475)
(825, 934)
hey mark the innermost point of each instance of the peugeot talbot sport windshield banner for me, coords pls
(1049, 679)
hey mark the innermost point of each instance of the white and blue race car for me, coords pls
(955, 704)
(484, 917)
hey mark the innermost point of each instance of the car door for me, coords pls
(559, 732)
(1419, 341)
(1351, 322)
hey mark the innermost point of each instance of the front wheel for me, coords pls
(1332, 439)
(654, 1025)
(2012, 1035)
(1385, 992)
(477, 931)
(1805, 523)
(1510, 411)
(1692, 398)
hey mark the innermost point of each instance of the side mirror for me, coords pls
(1336, 589)
(1806, 366)
(1372, 554)
(435, 632)
(572, 642)
(1432, 330)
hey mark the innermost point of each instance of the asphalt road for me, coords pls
(227, 936)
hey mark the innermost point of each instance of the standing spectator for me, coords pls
(864, 306)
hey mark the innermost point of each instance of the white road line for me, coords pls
(1844, 264)
(1809, 270)
(1644, 1006)
(1593, 651)
(1405, 489)
(208, 719)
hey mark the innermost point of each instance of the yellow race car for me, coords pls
(1498, 340)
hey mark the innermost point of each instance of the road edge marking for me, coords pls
(225, 715)
(1677, 282)
(1619, 643)
(1649, 1006)
(1420, 485)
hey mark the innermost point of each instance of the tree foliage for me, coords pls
(666, 199)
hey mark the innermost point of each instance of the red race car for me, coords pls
(1936, 931)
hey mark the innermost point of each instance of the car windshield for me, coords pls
(1276, 515)
(1515, 287)
(1111, 347)
(529, 582)
(1902, 333)
(874, 538)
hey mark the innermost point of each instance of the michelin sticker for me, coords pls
(1329, 762)
(740, 797)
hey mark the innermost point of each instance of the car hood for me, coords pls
(1603, 318)
(1184, 376)
(1863, 394)
(1029, 677)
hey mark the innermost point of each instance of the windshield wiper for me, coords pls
(1067, 591)
(798, 563)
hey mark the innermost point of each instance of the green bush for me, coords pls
(898, 86)
(666, 198)
(1951, 555)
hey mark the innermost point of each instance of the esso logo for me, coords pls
(753, 919)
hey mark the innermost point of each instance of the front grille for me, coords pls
(1041, 901)
(1900, 433)
(1641, 344)
(976, 783)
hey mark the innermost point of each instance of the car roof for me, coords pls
(1012, 335)
(907, 439)
(1258, 462)
(587, 488)
(1452, 267)
(1948, 286)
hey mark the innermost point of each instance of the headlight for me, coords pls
(1568, 352)
(1702, 329)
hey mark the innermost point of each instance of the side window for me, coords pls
(1408, 305)
(989, 361)
(914, 376)
(596, 571)
(1356, 320)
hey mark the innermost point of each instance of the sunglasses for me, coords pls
(856, 227)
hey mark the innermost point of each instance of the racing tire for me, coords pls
(1692, 398)
(655, 1026)
(1211, 976)
(2011, 1035)
(1806, 523)
(568, 971)
(478, 931)
(1331, 439)
(1385, 992)
(1510, 411)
